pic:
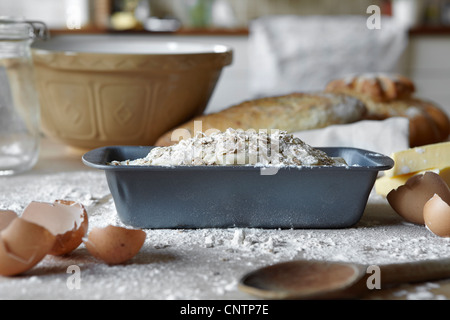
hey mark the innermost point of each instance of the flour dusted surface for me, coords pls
(197, 264)
(203, 263)
(237, 147)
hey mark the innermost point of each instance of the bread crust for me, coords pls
(388, 96)
(291, 113)
(379, 87)
(427, 122)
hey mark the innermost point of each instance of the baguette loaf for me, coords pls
(387, 96)
(291, 113)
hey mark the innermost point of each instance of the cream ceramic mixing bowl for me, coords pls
(122, 90)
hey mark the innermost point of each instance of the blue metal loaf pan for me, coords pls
(152, 197)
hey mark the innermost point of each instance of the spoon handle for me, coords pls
(420, 271)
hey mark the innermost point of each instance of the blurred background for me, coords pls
(97, 15)
(414, 39)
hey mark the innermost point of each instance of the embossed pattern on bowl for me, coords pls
(92, 95)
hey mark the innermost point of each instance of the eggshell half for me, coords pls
(67, 220)
(23, 244)
(113, 244)
(436, 213)
(6, 216)
(409, 199)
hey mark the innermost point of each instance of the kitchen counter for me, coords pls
(436, 30)
(244, 31)
(199, 264)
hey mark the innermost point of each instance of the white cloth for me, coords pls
(291, 53)
(385, 137)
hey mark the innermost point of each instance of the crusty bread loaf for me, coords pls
(379, 87)
(291, 113)
(427, 122)
(392, 95)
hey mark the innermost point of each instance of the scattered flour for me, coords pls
(202, 263)
(422, 292)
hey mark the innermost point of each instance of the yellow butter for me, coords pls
(384, 185)
(420, 158)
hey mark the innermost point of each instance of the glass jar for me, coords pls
(19, 104)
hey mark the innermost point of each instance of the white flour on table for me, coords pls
(201, 263)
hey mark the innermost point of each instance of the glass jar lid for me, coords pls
(19, 29)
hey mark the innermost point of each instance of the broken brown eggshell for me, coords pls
(56, 229)
(6, 216)
(114, 244)
(23, 244)
(436, 213)
(66, 220)
(409, 199)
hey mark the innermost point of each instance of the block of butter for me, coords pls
(420, 158)
(384, 185)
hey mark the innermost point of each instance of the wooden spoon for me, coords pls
(303, 279)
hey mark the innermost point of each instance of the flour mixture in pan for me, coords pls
(237, 147)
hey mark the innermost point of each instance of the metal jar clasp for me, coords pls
(38, 28)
